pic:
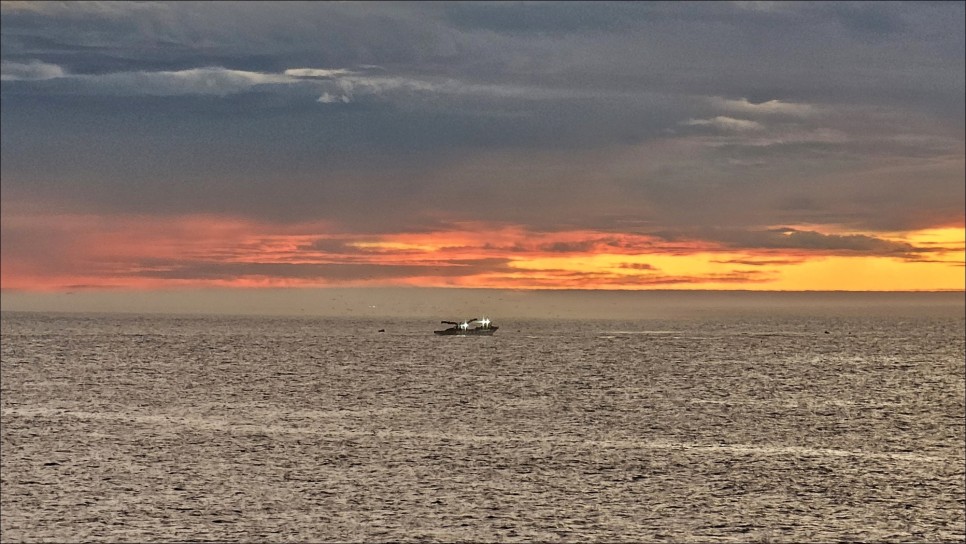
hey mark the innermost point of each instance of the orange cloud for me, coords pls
(64, 252)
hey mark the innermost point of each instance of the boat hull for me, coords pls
(467, 332)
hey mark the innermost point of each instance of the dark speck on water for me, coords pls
(164, 428)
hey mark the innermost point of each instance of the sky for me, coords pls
(246, 147)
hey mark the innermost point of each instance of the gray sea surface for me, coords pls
(125, 428)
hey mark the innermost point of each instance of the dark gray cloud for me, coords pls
(647, 279)
(396, 116)
(791, 240)
(788, 238)
(638, 266)
(324, 272)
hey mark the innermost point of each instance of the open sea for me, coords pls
(153, 428)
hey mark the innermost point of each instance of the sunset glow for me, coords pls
(537, 146)
(86, 252)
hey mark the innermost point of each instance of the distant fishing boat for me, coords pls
(462, 328)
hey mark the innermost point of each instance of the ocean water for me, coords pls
(755, 429)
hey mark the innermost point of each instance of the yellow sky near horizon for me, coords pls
(777, 271)
(136, 254)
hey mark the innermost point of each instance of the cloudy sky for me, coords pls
(708, 145)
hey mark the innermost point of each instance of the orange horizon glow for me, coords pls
(145, 253)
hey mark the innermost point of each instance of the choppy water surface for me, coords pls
(121, 428)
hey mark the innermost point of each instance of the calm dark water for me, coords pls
(163, 428)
